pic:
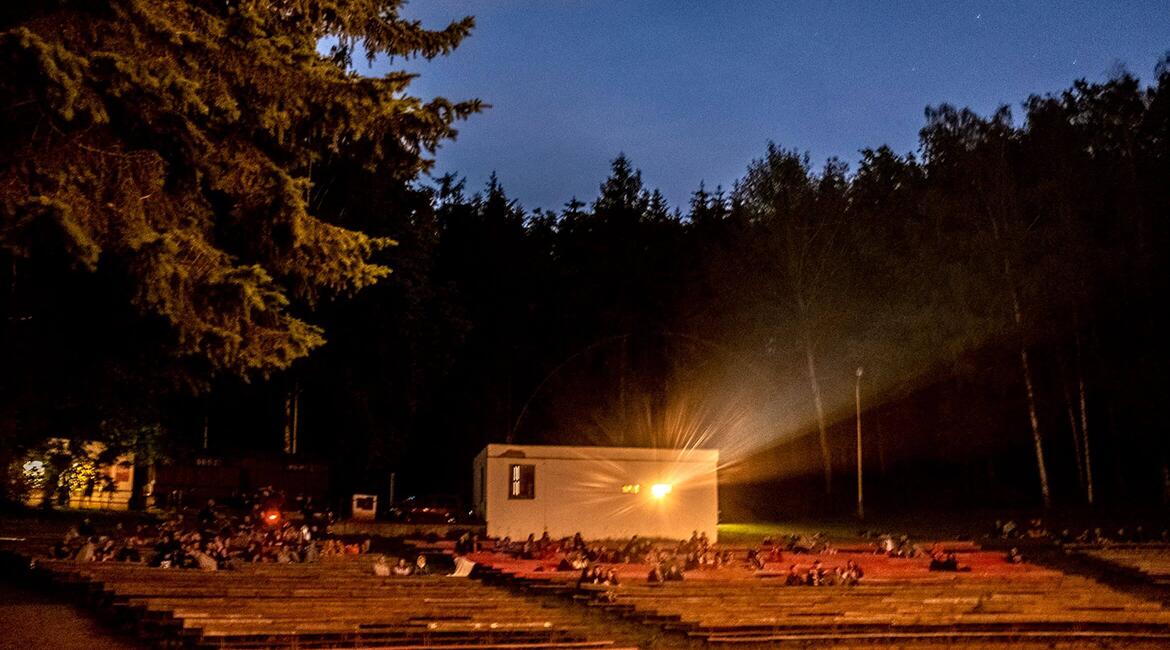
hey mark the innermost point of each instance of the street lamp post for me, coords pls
(857, 399)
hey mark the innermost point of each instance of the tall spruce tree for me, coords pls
(169, 146)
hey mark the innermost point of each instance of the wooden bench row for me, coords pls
(310, 606)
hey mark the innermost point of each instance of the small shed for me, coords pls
(600, 492)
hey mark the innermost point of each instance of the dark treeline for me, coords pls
(205, 264)
(1001, 291)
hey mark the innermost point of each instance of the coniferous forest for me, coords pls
(213, 232)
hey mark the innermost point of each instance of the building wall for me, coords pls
(591, 490)
(207, 476)
(110, 486)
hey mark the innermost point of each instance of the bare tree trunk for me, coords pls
(1073, 424)
(1045, 494)
(1083, 402)
(288, 423)
(1026, 369)
(1004, 206)
(296, 410)
(818, 405)
(1165, 481)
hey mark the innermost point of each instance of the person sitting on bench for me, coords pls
(816, 575)
(402, 568)
(381, 568)
(946, 562)
(793, 579)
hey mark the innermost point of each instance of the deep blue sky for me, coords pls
(692, 91)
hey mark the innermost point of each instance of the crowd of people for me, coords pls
(402, 568)
(897, 546)
(216, 538)
(212, 539)
(671, 562)
(1089, 536)
(818, 576)
(575, 554)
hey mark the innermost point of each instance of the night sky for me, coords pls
(693, 91)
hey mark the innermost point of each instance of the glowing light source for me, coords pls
(34, 474)
(272, 516)
(660, 490)
(633, 488)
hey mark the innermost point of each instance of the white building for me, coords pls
(600, 492)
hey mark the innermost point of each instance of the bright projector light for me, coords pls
(660, 490)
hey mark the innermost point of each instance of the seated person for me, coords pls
(755, 562)
(206, 516)
(311, 551)
(168, 551)
(1014, 556)
(203, 561)
(775, 554)
(793, 579)
(402, 568)
(854, 569)
(834, 577)
(463, 544)
(816, 575)
(611, 578)
(946, 562)
(421, 568)
(673, 572)
(589, 577)
(60, 550)
(656, 574)
(381, 568)
(87, 552)
(105, 550)
(611, 582)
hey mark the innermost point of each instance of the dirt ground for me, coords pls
(32, 620)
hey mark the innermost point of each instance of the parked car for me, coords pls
(439, 509)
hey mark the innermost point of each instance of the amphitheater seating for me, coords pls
(330, 604)
(1152, 561)
(899, 599)
(341, 603)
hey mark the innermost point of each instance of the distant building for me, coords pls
(83, 482)
(191, 481)
(600, 492)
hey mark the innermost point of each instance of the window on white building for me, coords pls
(522, 481)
